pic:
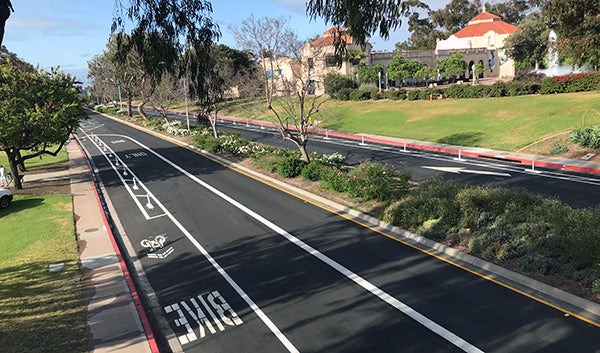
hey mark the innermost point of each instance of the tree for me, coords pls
(286, 73)
(5, 9)
(452, 66)
(164, 31)
(528, 45)
(512, 11)
(426, 74)
(38, 112)
(361, 18)
(577, 23)
(165, 94)
(455, 15)
(400, 68)
(369, 74)
(423, 33)
(108, 75)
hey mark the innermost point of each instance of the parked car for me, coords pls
(5, 198)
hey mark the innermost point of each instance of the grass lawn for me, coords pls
(40, 311)
(507, 123)
(37, 161)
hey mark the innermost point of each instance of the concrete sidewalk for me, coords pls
(115, 322)
(115, 317)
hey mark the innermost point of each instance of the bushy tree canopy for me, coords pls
(38, 112)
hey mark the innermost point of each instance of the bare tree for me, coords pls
(165, 95)
(287, 75)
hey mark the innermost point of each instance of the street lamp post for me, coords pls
(119, 89)
(187, 113)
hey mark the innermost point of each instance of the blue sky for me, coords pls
(68, 33)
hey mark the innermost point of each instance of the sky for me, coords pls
(68, 33)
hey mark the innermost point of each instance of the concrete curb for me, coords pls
(556, 298)
(137, 307)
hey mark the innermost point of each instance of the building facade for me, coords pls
(481, 41)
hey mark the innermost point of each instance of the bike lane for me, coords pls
(312, 303)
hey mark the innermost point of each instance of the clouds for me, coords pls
(22, 28)
(298, 6)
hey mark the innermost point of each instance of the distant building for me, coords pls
(485, 31)
(322, 59)
(481, 41)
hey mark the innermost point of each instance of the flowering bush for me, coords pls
(335, 159)
(174, 128)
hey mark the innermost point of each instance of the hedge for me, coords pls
(571, 83)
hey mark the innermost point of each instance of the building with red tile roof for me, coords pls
(485, 31)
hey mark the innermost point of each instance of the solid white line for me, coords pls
(407, 310)
(280, 336)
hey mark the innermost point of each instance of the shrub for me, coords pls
(584, 235)
(414, 95)
(334, 82)
(174, 128)
(359, 95)
(459, 91)
(335, 159)
(432, 200)
(343, 94)
(313, 171)
(558, 149)
(290, 167)
(522, 88)
(497, 89)
(155, 124)
(333, 178)
(396, 94)
(374, 181)
(588, 136)
(375, 95)
(481, 205)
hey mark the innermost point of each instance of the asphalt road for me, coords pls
(238, 265)
(576, 189)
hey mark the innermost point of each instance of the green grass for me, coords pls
(40, 311)
(37, 161)
(499, 123)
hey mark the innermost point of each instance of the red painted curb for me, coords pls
(134, 294)
(525, 162)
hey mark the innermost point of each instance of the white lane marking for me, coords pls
(135, 198)
(551, 174)
(458, 170)
(280, 336)
(407, 310)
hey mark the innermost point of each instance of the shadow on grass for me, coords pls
(19, 204)
(471, 139)
(42, 311)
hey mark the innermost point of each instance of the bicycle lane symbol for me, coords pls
(156, 245)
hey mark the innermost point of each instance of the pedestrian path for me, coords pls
(113, 318)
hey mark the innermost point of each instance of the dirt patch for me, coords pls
(60, 186)
(574, 151)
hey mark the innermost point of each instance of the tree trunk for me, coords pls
(129, 110)
(304, 153)
(19, 162)
(141, 111)
(14, 169)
